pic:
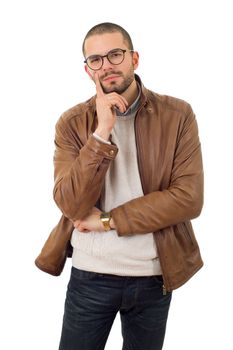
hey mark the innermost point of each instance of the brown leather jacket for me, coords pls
(170, 167)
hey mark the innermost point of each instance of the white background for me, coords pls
(185, 50)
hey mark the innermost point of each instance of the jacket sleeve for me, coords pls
(181, 201)
(79, 171)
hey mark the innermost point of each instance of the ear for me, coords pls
(135, 59)
(88, 72)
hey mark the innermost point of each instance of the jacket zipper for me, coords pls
(164, 290)
(137, 137)
(165, 285)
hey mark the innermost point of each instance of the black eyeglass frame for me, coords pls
(107, 55)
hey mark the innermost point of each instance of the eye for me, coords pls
(94, 59)
(115, 54)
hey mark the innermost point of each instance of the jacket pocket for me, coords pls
(187, 230)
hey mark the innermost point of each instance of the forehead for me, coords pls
(102, 43)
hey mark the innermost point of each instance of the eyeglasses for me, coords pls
(116, 56)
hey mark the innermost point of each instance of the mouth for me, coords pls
(111, 77)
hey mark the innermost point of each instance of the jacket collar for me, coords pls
(144, 91)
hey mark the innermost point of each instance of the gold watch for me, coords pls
(105, 218)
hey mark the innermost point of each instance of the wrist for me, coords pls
(105, 218)
(103, 133)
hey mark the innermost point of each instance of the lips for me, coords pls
(111, 77)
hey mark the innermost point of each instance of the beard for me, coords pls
(114, 86)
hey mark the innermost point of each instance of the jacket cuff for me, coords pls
(121, 221)
(102, 149)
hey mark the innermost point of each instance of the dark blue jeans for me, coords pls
(93, 300)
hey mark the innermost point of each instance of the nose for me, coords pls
(106, 64)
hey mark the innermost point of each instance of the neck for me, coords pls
(131, 93)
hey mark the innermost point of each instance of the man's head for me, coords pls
(116, 68)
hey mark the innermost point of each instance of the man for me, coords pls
(128, 174)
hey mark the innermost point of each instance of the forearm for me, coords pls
(158, 210)
(78, 184)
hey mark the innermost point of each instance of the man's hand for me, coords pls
(90, 223)
(105, 106)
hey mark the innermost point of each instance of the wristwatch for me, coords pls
(105, 218)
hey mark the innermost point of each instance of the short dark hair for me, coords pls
(107, 27)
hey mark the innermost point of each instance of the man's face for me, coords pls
(113, 78)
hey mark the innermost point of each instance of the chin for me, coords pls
(113, 88)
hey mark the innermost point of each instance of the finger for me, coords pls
(76, 223)
(84, 230)
(80, 226)
(119, 97)
(99, 89)
(120, 106)
(118, 103)
(124, 100)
